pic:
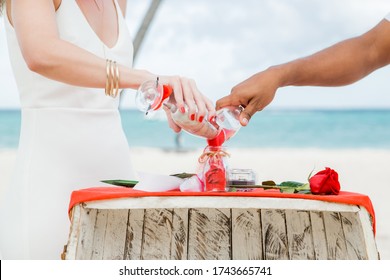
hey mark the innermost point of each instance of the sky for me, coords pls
(220, 43)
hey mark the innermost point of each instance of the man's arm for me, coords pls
(341, 64)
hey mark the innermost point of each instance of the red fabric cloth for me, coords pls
(102, 193)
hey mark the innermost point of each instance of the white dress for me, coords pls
(71, 138)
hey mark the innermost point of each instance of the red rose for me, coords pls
(325, 182)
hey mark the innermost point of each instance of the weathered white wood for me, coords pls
(85, 244)
(209, 234)
(274, 234)
(335, 236)
(134, 233)
(354, 238)
(115, 237)
(319, 236)
(368, 233)
(179, 234)
(157, 235)
(70, 252)
(170, 202)
(246, 234)
(299, 234)
(99, 234)
(221, 233)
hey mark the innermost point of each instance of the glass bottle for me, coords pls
(224, 126)
(151, 95)
(214, 167)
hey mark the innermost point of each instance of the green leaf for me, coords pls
(290, 184)
(304, 187)
(304, 192)
(269, 183)
(183, 175)
(287, 190)
(122, 183)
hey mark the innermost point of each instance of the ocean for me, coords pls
(271, 128)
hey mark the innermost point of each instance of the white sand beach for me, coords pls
(365, 171)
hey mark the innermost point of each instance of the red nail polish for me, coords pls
(201, 118)
(182, 109)
(192, 117)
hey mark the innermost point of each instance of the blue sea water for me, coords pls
(268, 129)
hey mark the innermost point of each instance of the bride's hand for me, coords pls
(185, 92)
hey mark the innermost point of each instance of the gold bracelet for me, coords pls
(116, 80)
(108, 66)
(112, 78)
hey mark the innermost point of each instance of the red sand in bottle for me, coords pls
(215, 177)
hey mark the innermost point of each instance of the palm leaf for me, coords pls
(122, 183)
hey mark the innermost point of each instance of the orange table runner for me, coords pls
(103, 193)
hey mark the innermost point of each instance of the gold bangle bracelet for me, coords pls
(112, 78)
(108, 66)
(116, 80)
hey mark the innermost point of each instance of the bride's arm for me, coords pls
(48, 55)
(45, 53)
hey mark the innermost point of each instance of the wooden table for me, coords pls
(219, 228)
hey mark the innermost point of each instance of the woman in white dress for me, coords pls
(71, 133)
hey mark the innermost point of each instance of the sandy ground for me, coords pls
(364, 171)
